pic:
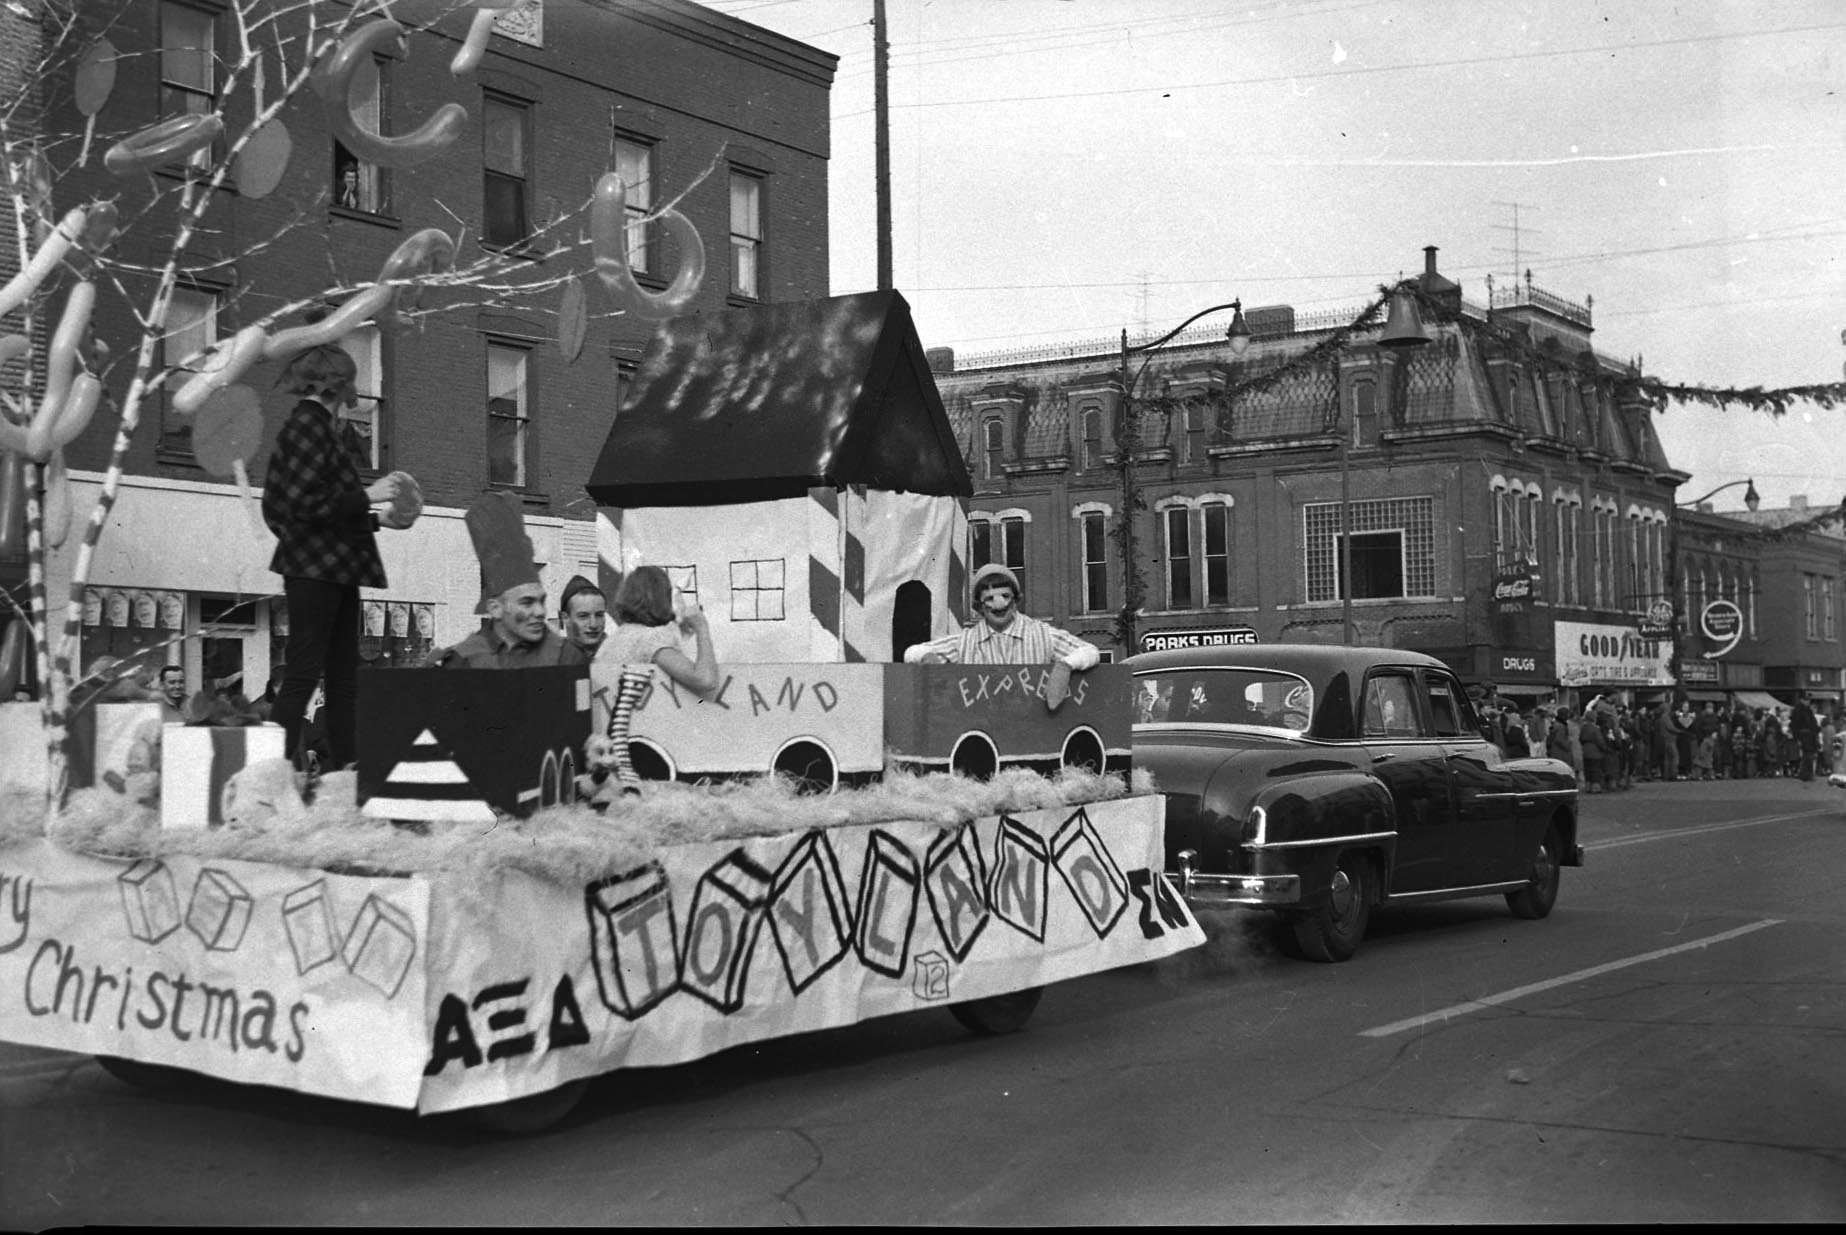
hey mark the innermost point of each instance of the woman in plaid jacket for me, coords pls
(322, 516)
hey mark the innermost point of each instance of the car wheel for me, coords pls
(1536, 898)
(532, 1113)
(998, 1014)
(1333, 931)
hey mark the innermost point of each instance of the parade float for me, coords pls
(831, 836)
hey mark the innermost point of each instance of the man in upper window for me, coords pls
(1005, 636)
(517, 635)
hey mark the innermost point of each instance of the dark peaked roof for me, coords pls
(755, 404)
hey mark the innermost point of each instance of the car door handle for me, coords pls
(1384, 756)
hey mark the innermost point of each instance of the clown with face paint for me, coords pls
(1005, 636)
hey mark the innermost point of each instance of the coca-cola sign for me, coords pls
(1512, 592)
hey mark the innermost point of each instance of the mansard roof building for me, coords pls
(1506, 495)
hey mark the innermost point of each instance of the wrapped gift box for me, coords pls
(197, 761)
(101, 745)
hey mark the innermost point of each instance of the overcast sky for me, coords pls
(1064, 168)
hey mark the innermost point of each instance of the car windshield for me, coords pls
(1258, 698)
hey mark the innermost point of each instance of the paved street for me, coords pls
(1667, 1047)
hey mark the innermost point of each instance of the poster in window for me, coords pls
(397, 614)
(92, 607)
(425, 617)
(117, 605)
(146, 610)
(172, 610)
(375, 618)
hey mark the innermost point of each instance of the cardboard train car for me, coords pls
(457, 743)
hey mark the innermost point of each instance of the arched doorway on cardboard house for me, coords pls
(910, 618)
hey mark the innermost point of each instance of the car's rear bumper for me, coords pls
(1219, 891)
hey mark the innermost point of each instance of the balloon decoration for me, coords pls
(44, 261)
(57, 501)
(226, 436)
(609, 242)
(244, 349)
(69, 399)
(167, 142)
(332, 80)
(15, 648)
(468, 59)
(12, 504)
(430, 251)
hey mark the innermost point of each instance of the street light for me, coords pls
(1403, 333)
(1752, 499)
(1128, 438)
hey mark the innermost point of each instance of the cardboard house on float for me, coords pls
(792, 464)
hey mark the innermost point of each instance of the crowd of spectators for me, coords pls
(1612, 744)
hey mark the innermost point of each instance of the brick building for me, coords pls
(1509, 500)
(726, 121)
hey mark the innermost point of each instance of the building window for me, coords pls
(634, 163)
(1811, 617)
(362, 425)
(1095, 562)
(1217, 553)
(358, 185)
(993, 435)
(192, 328)
(1365, 414)
(189, 69)
(746, 235)
(1393, 548)
(1093, 456)
(1749, 590)
(1178, 520)
(1828, 630)
(757, 590)
(999, 539)
(1569, 587)
(508, 418)
(1195, 433)
(1602, 558)
(505, 186)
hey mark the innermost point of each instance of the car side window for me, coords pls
(1447, 709)
(1391, 707)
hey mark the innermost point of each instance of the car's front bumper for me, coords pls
(1219, 891)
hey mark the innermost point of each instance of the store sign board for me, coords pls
(1172, 640)
(1602, 654)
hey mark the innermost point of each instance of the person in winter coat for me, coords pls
(1557, 739)
(1595, 744)
(1670, 735)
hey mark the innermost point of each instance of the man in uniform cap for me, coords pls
(1005, 636)
(517, 635)
(582, 614)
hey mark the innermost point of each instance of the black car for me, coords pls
(1319, 781)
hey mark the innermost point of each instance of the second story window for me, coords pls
(1095, 562)
(1217, 553)
(508, 420)
(746, 235)
(993, 435)
(1178, 520)
(634, 163)
(999, 539)
(362, 425)
(188, 68)
(192, 328)
(1811, 627)
(358, 185)
(1829, 630)
(505, 187)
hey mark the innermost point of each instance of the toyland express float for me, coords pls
(792, 465)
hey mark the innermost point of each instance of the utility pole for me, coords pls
(881, 108)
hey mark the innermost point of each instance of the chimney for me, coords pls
(1798, 502)
(1445, 292)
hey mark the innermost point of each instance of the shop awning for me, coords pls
(1705, 696)
(1524, 688)
(1756, 699)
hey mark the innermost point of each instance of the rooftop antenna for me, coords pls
(1520, 254)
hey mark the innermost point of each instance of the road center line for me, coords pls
(1701, 829)
(1520, 992)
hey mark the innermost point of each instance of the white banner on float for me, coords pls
(711, 946)
(438, 996)
(1599, 654)
(261, 974)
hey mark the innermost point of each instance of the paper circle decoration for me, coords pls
(95, 77)
(228, 430)
(573, 320)
(263, 159)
